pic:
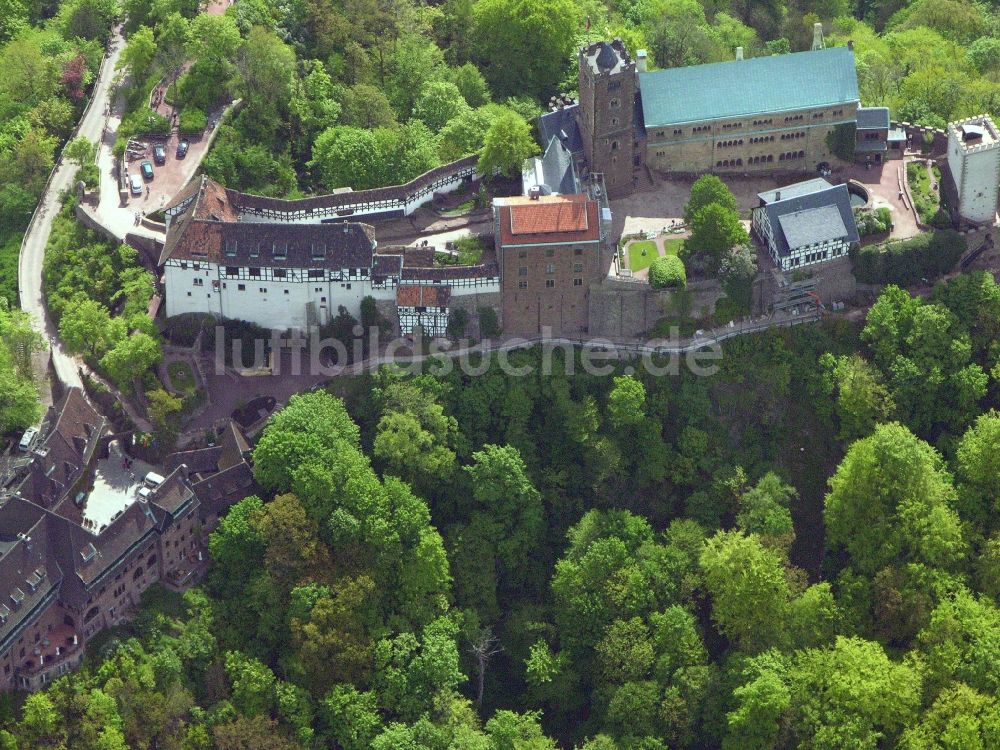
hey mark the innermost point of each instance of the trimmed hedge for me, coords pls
(667, 273)
(906, 262)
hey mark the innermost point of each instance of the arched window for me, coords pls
(138, 574)
(614, 145)
(91, 614)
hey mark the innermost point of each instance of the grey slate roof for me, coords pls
(343, 245)
(812, 216)
(873, 118)
(562, 124)
(812, 225)
(553, 172)
(779, 83)
(795, 190)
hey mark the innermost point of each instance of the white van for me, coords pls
(153, 480)
(27, 440)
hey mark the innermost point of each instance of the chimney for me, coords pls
(818, 36)
(739, 53)
(850, 45)
(640, 61)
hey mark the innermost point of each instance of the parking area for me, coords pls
(169, 177)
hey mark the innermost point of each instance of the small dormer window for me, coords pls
(33, 580)
(254, 251)
(318, 252)
(231, 248)
(280, 251)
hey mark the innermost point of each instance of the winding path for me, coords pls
(32, 256)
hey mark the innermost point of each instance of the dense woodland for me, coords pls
(799, 551)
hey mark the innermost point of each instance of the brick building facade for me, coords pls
(65, 576)
(550, 250)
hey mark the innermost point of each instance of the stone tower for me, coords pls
(607, 113)
(974, 163)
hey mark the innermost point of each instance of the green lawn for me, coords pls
(672, 247)
(637, 260)
(181, 376)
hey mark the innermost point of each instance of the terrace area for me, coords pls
(115, 487)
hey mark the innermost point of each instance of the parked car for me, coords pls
(147, 169)
(27, 439)
(182, 149)
(135, 184)
(159, 154)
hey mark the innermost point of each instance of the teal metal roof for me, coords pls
(738, 88)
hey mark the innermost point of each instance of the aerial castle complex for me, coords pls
(766, 114)
(292, 264)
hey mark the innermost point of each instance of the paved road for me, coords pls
(33, 246)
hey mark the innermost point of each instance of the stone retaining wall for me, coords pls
(627, 309)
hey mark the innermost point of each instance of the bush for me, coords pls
(246, 332)
(667, 273)
(144, 121)
(906, 262)
(726, 309)
(192, 121)
(91, 176)
(873, 222)
(489, 325)
(182, 330)
(457, 322)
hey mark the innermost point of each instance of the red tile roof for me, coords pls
(536, 218)
(563, 218)
(423, 296)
